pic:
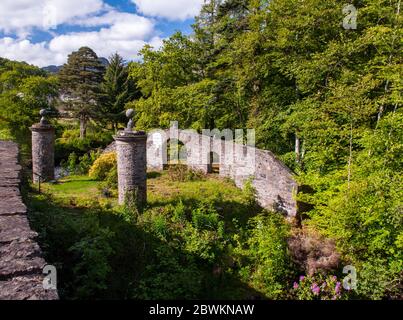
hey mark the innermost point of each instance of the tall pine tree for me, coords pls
(118, 89)
(80, 80)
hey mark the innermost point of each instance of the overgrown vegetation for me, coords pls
(191, 241)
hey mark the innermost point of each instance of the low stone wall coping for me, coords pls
(21, 261)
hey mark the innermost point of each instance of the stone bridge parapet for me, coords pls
(21, 262)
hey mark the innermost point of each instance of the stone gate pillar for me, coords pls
(131, 148)
(43, 150)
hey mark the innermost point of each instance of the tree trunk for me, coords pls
(350, 158)
(297, 148)
(83, 127)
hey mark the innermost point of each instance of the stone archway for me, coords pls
(214, 163)
(175, 152)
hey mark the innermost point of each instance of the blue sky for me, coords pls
(44, 32)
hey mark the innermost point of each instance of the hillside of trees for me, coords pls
(325, 99)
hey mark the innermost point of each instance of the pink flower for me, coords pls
(315, 289)
(301, 278)
(295, 285)
(338, 286)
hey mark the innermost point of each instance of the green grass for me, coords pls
(161, 190)
(73, 187)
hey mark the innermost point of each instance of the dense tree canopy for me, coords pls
(24, 90)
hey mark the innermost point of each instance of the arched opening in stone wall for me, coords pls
(176, 153)
(214, 163)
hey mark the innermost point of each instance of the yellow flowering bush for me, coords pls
(105, 164)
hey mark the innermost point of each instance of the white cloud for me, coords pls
(169, 9)
(23, 50)
(22, 16)
(116, 31)
(127, 34)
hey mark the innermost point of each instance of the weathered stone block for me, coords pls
(26, 288)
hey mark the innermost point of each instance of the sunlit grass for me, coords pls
(163, 189)
(81, 190)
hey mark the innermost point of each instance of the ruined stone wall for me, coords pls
(275, 185)
(21, 261)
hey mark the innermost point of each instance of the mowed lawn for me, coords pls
(78, 190)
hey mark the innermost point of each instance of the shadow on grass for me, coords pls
(99, 255)
(153, 175)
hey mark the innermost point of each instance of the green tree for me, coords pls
(118, 89)
(80, 80)
(24, 90)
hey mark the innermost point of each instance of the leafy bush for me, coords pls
(206, 218)
(70, 142)
(93, 268)
(249, 192)
(103, 166)
(318, 287)
(262, 255)
(80, 165)
(171, 275)
(79, 245)
(87, 160)
(363, 214)
(182, 173)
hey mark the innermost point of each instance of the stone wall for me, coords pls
(21, 261)
(275, 185)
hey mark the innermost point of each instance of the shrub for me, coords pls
(183, 173)
(206, 218)
(71, 164)
(102, 167)
(249, 192)
(171, 275)
(262, 255)
(179, 213)
(70, 142)
(79, 165)
(318, 287)
(87, 160)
